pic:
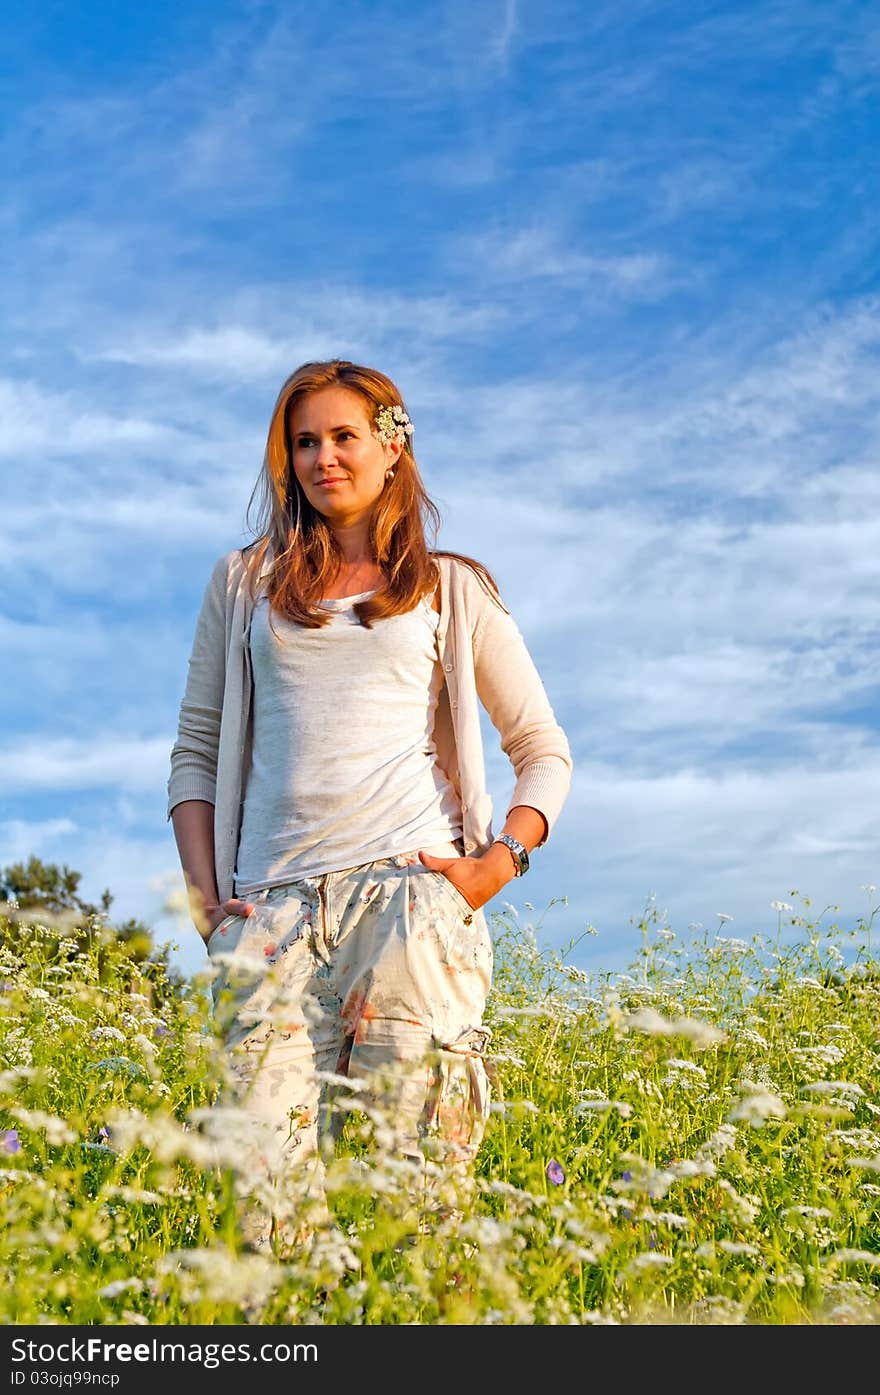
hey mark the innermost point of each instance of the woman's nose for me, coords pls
(326, 452)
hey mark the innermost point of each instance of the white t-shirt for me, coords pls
(343, 768)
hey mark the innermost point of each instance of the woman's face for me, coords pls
(339, 463)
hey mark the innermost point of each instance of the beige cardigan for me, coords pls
(484, 658)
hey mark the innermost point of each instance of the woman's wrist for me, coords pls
(499, 860)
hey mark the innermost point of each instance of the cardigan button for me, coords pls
(448, 667)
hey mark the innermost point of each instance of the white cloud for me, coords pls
(21, 838)
(38, 421)
(328, 319)
(95, 762)
(540, 253)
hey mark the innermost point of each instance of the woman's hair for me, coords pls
(305, 554)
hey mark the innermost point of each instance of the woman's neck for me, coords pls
(358, 572)
(354, 543)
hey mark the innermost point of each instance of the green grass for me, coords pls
(694, 1141)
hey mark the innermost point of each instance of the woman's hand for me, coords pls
(478, 879)
(219, 913)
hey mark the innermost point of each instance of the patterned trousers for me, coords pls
(377, 974)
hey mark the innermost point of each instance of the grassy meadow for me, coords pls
(694, 1141)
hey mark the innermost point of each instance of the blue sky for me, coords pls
(623, 264)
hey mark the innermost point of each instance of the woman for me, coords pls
(327, 787)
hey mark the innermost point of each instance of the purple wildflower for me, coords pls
(555, 1173)
(10, 1141)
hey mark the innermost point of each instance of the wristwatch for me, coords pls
(520, 856)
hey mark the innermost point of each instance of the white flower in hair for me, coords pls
(392, 424)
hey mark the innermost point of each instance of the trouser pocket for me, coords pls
(222, 927)
(459, 1093)
(457, 897)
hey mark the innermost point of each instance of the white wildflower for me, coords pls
(833, 1087)
(120, 1286)
(497, 1187)
(392, 424)
(866, 1164)
(793, 1276)
(10, 1080)
(641, 1178)
(753, 1038)
(57, 1131)
(166, 1139)
(718, 1143)
(648, 1020)
(513, 1108)
(692, 1167)
(601, 1105)
(718, 1311)
(745, 1208)
(537, 1010)
(135, 1194)
(242, 966)
(757, 1108)
(215, 1276)
(863, 1139)
(648, 1259)
(738, 1247)
(329, 1077)
(670, 1218)
(675, 1062)
(107, 1034)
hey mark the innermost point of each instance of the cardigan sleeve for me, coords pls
(194, 753)
(513, 694)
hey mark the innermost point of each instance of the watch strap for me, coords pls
(520, 853)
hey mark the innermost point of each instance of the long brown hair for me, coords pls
(305, 556)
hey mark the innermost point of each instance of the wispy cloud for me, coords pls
(538, 253)
(20, 839)
(103, 760)
(326, 317)
(36, 421)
